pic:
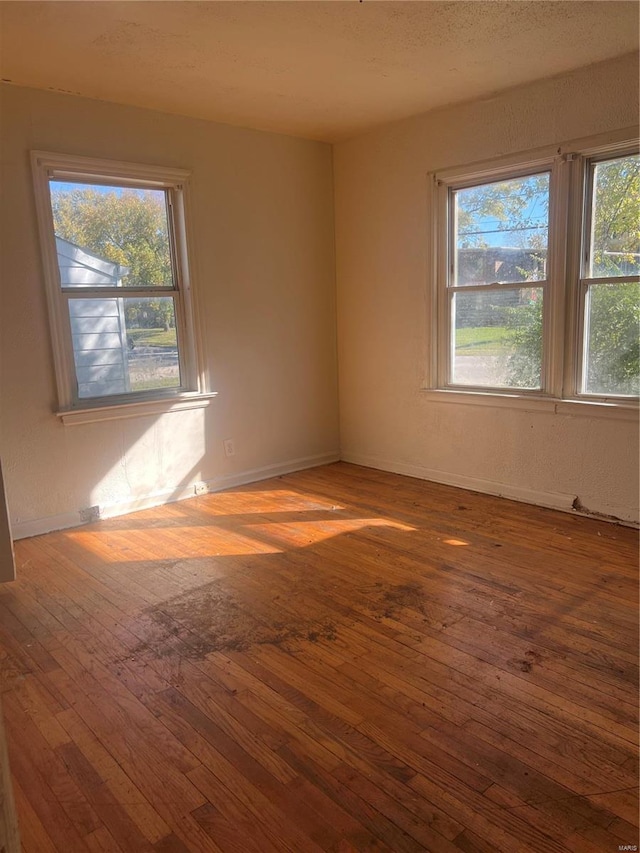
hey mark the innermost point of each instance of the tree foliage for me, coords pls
(616, 217)
(613, 341)
(127, 227)
(524, 361)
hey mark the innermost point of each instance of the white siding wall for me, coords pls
(98, 330)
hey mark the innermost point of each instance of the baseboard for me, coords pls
(38, 526)
(254, 475)
(550, 500)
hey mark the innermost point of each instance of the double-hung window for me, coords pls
(118, 285)
(536, 286)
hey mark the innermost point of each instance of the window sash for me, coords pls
(582, 363)
(450, 384)
(589, 165)
(124, 294)
(452, 233)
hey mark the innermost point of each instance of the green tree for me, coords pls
(616, 217)
(613, 339)
(524, 361)
(125, 226)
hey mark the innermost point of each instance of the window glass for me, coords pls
(124, 345)
(111, 236)
(501, 232)
(497, 337)
(612, 339)
(615, 220)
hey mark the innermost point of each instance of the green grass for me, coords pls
(153, 337)
(159, 382)
(482, 340)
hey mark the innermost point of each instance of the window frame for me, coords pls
(564, 316)
(72, 408)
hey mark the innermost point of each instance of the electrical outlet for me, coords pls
(200, 488)
(229, 447)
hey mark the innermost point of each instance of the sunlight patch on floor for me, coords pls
(212, 541)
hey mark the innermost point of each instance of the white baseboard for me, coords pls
(37, 526)
(551, 500)
(254, 475)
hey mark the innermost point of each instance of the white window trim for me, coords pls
(193, 392)
(177, 403)
(563, 323)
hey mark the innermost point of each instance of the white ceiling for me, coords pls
(323, 70)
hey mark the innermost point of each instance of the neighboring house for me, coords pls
(98, 328)
(489, 264)
(483, 264)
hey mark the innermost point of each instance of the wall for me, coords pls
(7, 562)
(381, 250)
(262, 213)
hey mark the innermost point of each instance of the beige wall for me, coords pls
(262, 208)
(381, 245)
(7, 561)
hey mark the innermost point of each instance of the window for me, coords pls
(536, 277)
(118, 286)
(609, 282)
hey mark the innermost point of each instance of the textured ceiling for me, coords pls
(323, 70)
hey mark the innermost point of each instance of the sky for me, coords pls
(491, 231)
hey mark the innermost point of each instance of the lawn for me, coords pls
(153, 337)
(156, 382)
(482, 340)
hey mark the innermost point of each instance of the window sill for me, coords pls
(118, 411)
(532, 403)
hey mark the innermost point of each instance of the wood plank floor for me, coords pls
(339, 659)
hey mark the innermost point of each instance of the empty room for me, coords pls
(319, 375)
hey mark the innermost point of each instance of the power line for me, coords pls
(503, 230)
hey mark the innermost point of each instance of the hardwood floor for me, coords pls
(339, 659)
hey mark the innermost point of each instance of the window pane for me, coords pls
(111, 236)
(615, 225)
(501, 231)
(498, 338)
(612, 343)
(124, 345)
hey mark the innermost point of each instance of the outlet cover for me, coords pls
(229, 447)
(201, 488)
